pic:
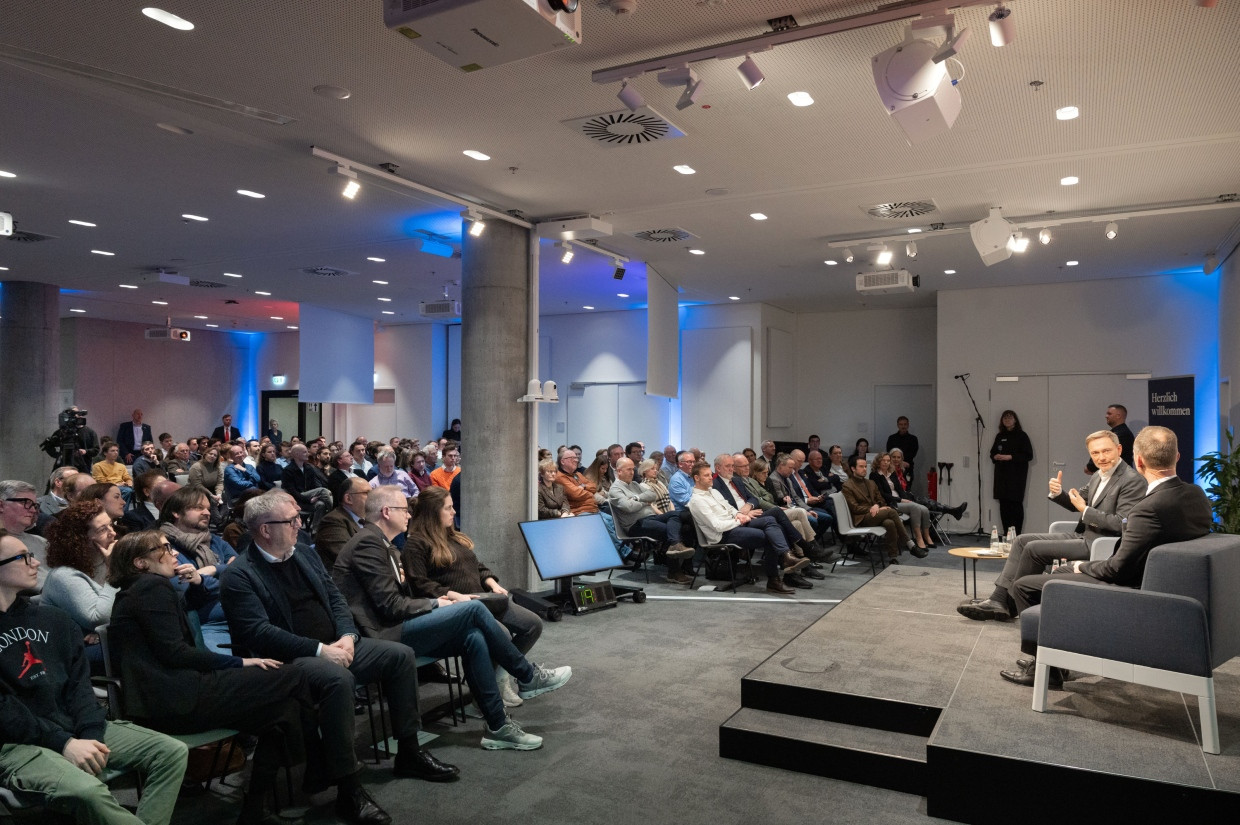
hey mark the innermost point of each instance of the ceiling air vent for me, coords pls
(29, 237)
(903, 209)
(625, 128)
(326, 271)
(671, 235)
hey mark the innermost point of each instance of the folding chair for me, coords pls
(860, 539)
(715, 551)
(643, 546)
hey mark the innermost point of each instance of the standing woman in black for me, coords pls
(1011, 454)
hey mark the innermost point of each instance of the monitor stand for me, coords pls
(553, 604)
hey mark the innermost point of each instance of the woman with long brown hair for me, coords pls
(79, 544)
(439, 559)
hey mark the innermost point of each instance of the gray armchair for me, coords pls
(1182, 623)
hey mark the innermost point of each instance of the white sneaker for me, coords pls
(510, 737)
(545, 680)
(507, 688)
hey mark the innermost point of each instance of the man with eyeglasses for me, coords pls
(282, 604)
(343, 522)
(19, 510)
(680, 485)
(55, 739)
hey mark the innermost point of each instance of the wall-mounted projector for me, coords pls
(893, 280)
(990, 237)
(475, 34)
(167, 334)
(440, 309)
(574, 229)
(916, 92)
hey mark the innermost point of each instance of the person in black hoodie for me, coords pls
(54, 737)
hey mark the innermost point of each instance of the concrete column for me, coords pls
(29, 377)
(496, 477)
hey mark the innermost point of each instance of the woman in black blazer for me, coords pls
(1011, 453)
(918, 515)
(174, 686)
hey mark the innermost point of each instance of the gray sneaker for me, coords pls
(510, 737)
(545, 680)
(507, 688)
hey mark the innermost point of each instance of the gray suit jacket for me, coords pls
(630, 503)
(1121, 494)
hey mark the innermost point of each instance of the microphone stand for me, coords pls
(979, 425)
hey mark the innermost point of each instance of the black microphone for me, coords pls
(964, 375)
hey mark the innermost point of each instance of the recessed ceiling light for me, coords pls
(476, 155)
(386, 300)
(377, 260)
(201, 317)
(685, 169)
(332, 92)
(380, 283)
(587, 306)
(949, 272)
(277, 317)
(193, 217)
(250, 193)
(1070, 180)
(1067, 113)
(81, 223)
(260, 292)
(160, 303)
(830, 262)
(102, 252)
(128, 286)
(913, 230)
(168, 18)
(213, 326)
(389, 312)
(232, 275)
(757, 216)
(176, 130)
(4, 174)
(292, 326)
(800, 99)
(4, 269)
(622, 294)
(734, 297)
(1072, 263)
(697, 252)
(77, 310)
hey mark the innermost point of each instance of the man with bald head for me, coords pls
(630, 507)
(307, 484)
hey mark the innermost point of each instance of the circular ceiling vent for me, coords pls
(625, 127)
(904, 209)
(325, 271)
(206, 284)
(663, 235)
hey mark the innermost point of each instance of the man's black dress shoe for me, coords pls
(357, 807)
(422, 764)
(1024, 676)
(796, 580)
(435, 673)
(812, 572)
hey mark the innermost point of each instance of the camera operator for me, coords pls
(73, 443)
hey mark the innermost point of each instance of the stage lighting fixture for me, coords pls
(952, 46)
(567, 257)
(884, 257)
(990, 237)
(690, 95)
(1112, 230)
(1018, 243)
(916, 92)
(630, 97)
(477, 229)
(848, 255)
(685, 77)
(1002, 29)
(910, 249)
(750, 73)
(351, 186)
(619, 273)
(1044, 237)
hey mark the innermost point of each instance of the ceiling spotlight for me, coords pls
(800, 99)
(1112, 230)
(690, 95)
(477, 229)
(848, 255)
(1044, 237)
(910, 249)
(684, 169)
(884, 256)
(567, 257)
(1070, 180)
(619, 273)
(1002, 29)
(631, 97)
(830, 262)
(1018, 242)
(1067, 113)
(750, 73)
(949, 272)
(478, 226)
(1071, 263)
(351, 186)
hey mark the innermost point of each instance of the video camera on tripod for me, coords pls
(64, 443)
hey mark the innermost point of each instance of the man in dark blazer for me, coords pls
(344, 520)
(226, 431)
(1103, 505)
(131, 435)
(282, 604)
(1172, 510)
(788, 489)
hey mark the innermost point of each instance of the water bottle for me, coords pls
(994, 538)
(1009, 540)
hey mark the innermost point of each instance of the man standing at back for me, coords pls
(226, 432)
(906, 442)
(131, 435)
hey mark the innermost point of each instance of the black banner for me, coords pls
(1174, 406)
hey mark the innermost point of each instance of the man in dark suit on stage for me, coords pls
(1117, 415)
(226, 432)
(131, 435)
(1103, 505)
(1172, 510)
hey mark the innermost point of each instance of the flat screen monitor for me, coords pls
(567, 547)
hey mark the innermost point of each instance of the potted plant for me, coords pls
(1220, 472)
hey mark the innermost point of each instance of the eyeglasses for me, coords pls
(295, 520)
(400, 509)
(26, 557)
(28, 503)
(162, 550)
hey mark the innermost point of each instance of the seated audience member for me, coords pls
(307, 485)
(54, 735)
(439, 560)
(109, 495)
(55, 500)
(173, 686)
(454, 492)
(179, 462)
(384, 607)
(442, 476)
(340, 474)
(208, 473)
(388, 475)
(372, 455)
(720, 522)
(906, 489)
(768, 451)
(596, 474)
(147, 461)
(431, 451)
(78, 548)
(202, 557)
(141, 514)
(1172, 510)
(110, 470)
(282, 453)
(883, 475)
(813, 443)
(837, 468)
(283, 605)
(269, 472)
(680, 484)
(323, 459)
(252, 448)
(343, 522)
(18, 513)
(868, 509)
(862, 449)
(633, 511)
(788, 490)
(552, 502)
(819, 504)
(238, 476)
(669, 463)
(193, 443)
(820, 480)
(273, 432)
(577, 489)
(166, 446)
(635, 451)
(76, 485)
(608, 475)
(234, 532)
(453, 433)
(361, 464)
(418, 472)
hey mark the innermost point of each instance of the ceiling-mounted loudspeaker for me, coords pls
(917, 92)
(990, 237)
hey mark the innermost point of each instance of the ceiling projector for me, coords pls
(916, 91)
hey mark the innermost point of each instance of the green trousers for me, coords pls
(42, 775)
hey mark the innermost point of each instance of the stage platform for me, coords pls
(894, 689)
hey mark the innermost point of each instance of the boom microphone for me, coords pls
(963, 375)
